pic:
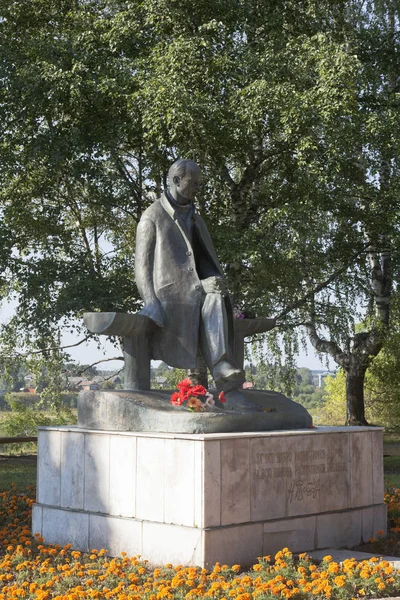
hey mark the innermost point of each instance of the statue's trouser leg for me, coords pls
(214, 329)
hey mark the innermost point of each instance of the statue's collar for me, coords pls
(172, 207)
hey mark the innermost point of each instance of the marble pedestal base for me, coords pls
(199, 499)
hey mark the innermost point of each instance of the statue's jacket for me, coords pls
(169, 268)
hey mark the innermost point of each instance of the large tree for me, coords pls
(98, 98)
(356, 313)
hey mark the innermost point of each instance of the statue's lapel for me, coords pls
(207, 242)
(174, 216)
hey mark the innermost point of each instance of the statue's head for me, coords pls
(184, 178)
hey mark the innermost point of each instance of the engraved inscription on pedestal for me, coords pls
(311, 479)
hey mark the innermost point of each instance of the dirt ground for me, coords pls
(18, 459)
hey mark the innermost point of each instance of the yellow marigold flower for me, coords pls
(333, 567)
(257, 567)
(365, 574)
(314, 575)
(381, 586)
(235, 568)
(327, 558)
(389, 570)
(323, 574)
(340, 580)
(301, 569)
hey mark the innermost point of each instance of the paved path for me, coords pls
(341, 555)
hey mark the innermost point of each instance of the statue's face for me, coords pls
(188, 185)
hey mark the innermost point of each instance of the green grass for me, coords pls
(22, 474)
(392, 481)
(391, 436)
(18, 449)
(391, 466)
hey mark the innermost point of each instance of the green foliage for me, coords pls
(382, 385)
(24, 420)
(289, 107)
(108, 385)
(174, 376)
(298, 385)
(306, 393)
(334, 409)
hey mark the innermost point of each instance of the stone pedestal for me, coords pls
(199, 499)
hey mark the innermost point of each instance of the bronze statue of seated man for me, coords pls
(182, 284)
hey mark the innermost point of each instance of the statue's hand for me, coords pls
(214, 285)
(155, 312)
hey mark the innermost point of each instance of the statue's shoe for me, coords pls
(224, 371)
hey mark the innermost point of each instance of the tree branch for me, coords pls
(98, 362)
(304, 299)
(51, 349)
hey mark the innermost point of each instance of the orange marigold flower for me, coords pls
(340, 580)
(235, 568)
(381, 586)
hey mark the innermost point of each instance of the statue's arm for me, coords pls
(144, 269)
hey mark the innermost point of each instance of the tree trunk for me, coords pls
(199, 375)
(355, 396)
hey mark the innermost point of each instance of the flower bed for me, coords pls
(31, 569)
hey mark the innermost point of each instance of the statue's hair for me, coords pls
(179, 168)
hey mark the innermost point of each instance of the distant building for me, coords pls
(80, 383)
(247, 385)
(74, 383)
(161, 381)
(319, 376)
(29, 380)
(89, 385)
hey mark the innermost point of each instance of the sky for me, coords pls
(89, 353)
